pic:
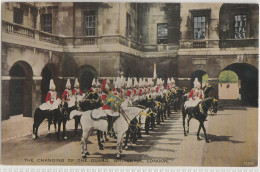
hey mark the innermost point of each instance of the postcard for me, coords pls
(129, 84)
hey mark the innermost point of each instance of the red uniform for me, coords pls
(168, 86)
(66, 95)
(51, 96)
(195, 93)
(157, 89)
(134, 92)
(140, 92)
(129, 92)
(77, 91)
(103, 98)
(122, 92)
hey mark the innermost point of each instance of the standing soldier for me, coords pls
(67, 93)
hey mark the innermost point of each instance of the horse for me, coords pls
(208, 91)
(200, 113)
(62, 117)
(88, 102)
(41, 115)
(132, 132)
(89, 123)
(148, 120)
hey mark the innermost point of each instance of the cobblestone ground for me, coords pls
(233, 136)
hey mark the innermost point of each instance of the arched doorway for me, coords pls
(205, 79)
(85, 80)
(86, 75)
(48, 73)
(197, 74)
(46, 77)
(20, 89)
(228, 87)
(248, 78)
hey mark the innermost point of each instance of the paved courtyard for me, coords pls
(232, 133)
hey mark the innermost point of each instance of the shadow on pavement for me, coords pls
(215, 138)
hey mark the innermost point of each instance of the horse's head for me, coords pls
(63, 108)
(211, 104)
(214, 105)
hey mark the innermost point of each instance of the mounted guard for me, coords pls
(51, 101)
(195, 95)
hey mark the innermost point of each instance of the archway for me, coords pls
(20, 89)
(248, 77)
(197, 74)
(46, 77)
(48, 73)
(205, 79)
(228, 87)
(85, 80)
(86, 75)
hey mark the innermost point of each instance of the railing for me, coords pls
(47, 37)
(16, 29)
(234, 43)
(199, 44)
(20, 30)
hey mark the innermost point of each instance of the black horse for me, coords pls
(62, 117)
(41, 115)
(200, 113)
(132, 132)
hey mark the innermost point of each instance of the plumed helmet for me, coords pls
(129, 82)
(52, 85)
(168, 81)
(68, 83)
(196, 83)
(94, 82)
(76, 84)
(136, 82)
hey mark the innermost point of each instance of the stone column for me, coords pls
(5, 97)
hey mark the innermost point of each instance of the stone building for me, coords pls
(62, 40)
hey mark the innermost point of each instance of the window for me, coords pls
(128, 25)
(162, 33)
(89, 18)
(47, 22)
(18, 16)
(199, 27)
(240, 26)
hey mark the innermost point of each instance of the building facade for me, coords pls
(64, 40)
